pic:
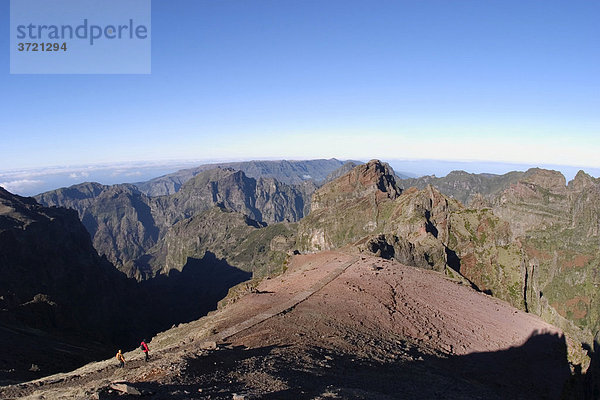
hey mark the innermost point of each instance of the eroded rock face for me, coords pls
(422, 228)
(264, 200)
(62, 305)
(550, 226)
(463, 186)
(119, 218)
(285, 171)
(230, 236)
(374, 178)
(125, 224)
(52, 280)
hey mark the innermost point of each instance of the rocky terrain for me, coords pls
(527, 238)
(264, 200)
(532, 242)
(423, 228)
(54, 290)
(285, 171)
(555, 225)
(229, 235)
(62, 305)
(463, 186)
(130, 228)
(345, 326)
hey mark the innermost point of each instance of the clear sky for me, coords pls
(510, 81)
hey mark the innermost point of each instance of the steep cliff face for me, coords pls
(537, 201)
(546, 227)
(288, 172)
(347, 209)
(264, 200)
(77, 197)
(423, 228)
(561, 244)
(62, 305)
(55, 291)
(228, 235)
(463, 186)
(45, 250)
(125, 224)
(119, 218)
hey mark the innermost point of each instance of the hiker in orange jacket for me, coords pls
(121, 359)
(144, 348)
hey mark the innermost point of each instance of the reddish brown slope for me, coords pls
(345, 326)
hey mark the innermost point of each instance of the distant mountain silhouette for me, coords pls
(285, 171)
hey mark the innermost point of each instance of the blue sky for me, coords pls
(503, 81)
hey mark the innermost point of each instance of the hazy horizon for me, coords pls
(30, 182)
(509, 82)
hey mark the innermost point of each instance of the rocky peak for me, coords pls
(77, 197)
(582, 181)
(548, 179)
(380, 175)
(16, 211)
(373, 178)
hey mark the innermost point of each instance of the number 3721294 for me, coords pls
(42, 46)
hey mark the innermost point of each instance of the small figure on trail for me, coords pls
(144, 348)
(121, 359)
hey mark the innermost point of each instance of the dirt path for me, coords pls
(340, 326)
(287, 305)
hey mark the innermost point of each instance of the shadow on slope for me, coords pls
(146, 309)
(190, 294)
(586, 386)
(592, 377)
(536, 370)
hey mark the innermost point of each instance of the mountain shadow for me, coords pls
(452, 259)
(592, 376)
(538, 369)
(586, 386)
(186, 295)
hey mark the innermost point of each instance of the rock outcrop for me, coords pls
(510, 249)
(55, 289)
(62, 305)
(125, 224)
(288, 172)
(550, 226)
(338, 325)
(119, 218)
(423, 228)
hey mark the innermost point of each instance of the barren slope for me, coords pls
(339, 325)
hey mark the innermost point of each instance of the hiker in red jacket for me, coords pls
(144, 348)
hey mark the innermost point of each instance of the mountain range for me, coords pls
(527, 238)
(62, 305)
(129, 227)
(290, 172)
